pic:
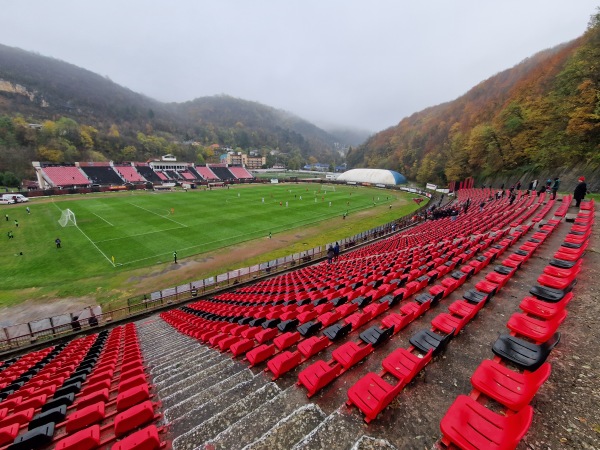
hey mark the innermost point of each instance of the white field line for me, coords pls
(92, 242)
(137, 235)
(102, 218)
(156, 214)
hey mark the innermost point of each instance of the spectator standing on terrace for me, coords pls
(555, 187)
(93, 320)
(75, 323)
(481, 205)
(580, 191)
(534, 184)
(330, 254)
(336, 251)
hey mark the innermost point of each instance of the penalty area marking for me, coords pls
(138, 235)
(97, 248)
(156, 214)
(102, 218)
(91, 242)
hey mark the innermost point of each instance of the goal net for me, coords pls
(326, 187)
(67, 218)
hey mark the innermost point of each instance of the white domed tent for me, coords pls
(372, 176)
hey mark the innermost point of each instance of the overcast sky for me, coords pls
(365, 64)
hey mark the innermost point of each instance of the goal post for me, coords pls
(67, 218)
(328, 187)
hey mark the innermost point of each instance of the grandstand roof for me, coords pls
(373, 176)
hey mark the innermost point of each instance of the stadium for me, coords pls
(397, 342)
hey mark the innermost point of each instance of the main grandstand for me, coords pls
(86, 174)
(303, 359)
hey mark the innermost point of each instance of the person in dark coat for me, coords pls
(580, 191)
(336, 251)
(555, 187)
(330, 254)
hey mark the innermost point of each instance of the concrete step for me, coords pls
(178, 364)
(214, 385)
(291, 429)
(223, 420)
(213, 407)
(368, 443)
(336, 432)
(165, 351)
(167, 389)
(158, 344)
(188, 370)
(258, 422)
(176, 354)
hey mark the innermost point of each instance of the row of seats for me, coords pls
(372, 393)
(519, 368)
(301, 314)
(92, 393)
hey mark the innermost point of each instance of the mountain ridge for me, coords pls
(40, 88)
(537, 116)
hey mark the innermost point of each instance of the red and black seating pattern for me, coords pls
(287, 320)
(90, 393)
(519, 368)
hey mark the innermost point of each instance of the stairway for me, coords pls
(211, 401)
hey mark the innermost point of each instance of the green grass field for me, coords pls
(142, 229)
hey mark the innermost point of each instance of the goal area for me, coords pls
(67, 218)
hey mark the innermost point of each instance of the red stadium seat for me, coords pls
(133, 418)
(471, 426)
(539, 330)
(351, 353)
(85, 417)
(312, 346)
(545, 310)
(283, 363)
(318, 375)
(404, 364)
(371, 394)
(8, 433)
(509, 388)
(144, 439)
(86, 439)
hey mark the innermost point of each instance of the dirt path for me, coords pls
(33, 310)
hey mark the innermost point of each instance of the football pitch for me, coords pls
(128, 230)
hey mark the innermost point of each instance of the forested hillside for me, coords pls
(57, 112)
(540, 115)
